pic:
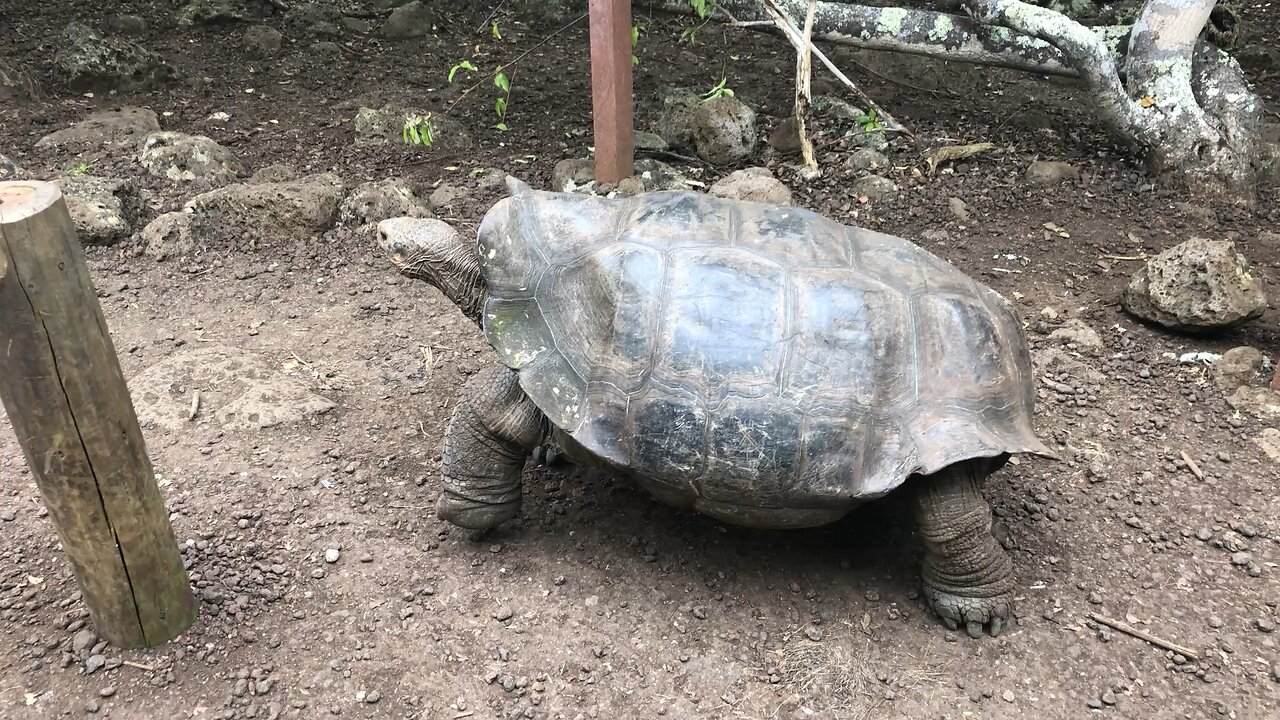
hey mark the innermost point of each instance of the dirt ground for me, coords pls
(600, 602)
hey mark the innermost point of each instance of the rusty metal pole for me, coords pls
(611, 89)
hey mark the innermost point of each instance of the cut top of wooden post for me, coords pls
(21, 200)
(611, 89)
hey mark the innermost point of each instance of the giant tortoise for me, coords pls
(763, 365)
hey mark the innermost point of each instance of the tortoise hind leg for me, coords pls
(968, 577)
(491, 434)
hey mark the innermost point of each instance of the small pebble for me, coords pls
(813, 633)
(503, 613)
(331, 555)
(1215, 621)
(94, 663)
(373, 697)
(1007, 696)
(1264, 624)
(1109, 698)
(107, 691)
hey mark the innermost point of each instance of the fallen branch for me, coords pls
(804, 78)
(1143, 635)
(1195, 469)
(951, 153)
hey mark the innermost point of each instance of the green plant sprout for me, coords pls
(493, 30)
(418, 130)
(703, 9)
(463, 65)
(721, 89)
(635, 40)
(503, 84)
(870, 122)
(81, 169)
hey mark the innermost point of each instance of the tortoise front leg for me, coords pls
(968, 577)
(491, 434)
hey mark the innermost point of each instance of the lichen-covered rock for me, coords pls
(649, 141)
(386, 125)
(104, 210)
(184, 158)
(1198, 286)
(87, 60)
(674, 124)
(755, 184)
(579, 175)
(243, 216)
(448, 195)
(571, 174)
(16, 83)
(262, 41)
(409, 21)
(273, 174)
(1237, 366)
(373, 202)
(1260, 402)
(836, 109)
(112, 130)
(875, 188)
(867, 159)
(171, 235)
(724, 130)
(1051, 172)
(1077, 335)
(205, 12)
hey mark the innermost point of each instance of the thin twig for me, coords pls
(1195, 469)
(496, 9)
(195, 406)
(1124, 257)
(793, 34)
(140, 666)
(519, 57)
(1143, 635)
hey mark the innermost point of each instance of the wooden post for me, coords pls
(611, 89)
(66, 398)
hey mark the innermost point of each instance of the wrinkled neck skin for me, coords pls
(456, 272)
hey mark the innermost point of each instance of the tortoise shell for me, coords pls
(762, 364)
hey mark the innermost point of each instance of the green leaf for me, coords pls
(500, 106)
(502, 126)
(502, 82)
(464, 65)
(634, 61)
(494, 30)
(635, 35)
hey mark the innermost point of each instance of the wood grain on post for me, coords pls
(66, 398)
(611, 89)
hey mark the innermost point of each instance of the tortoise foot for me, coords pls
(546, 455)
(979, 615)
(474, 515)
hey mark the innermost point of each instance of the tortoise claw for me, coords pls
(979, 615)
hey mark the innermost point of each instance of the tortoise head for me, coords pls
(431, 250)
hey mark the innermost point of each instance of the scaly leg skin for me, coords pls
(491, 434)
(968, 577)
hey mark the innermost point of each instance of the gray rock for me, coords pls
(449, 195)
(1075, 332)
(1257, 57)
(16, 82)
(326, 49)
(373, 202)
(650, 141)
(959, 209)
(1197, 286)
(785, 137)
(332, 555)
(356, 25)
(183, 158)
(130, 25)
(386, 124)
(119, 129)
(755, 184)
(875, 188)
(836, 109)
(239, 390)
(1260, 402)
(1237, 366)
(867, 159)
(205, 12)
(262, 41)
(656, 175)
(170, 235)
(1051, 172)
(243, 215)
(675, 124)
(273, 174)
(87, 60)
(9, 170)
(724, 130)
(571, 174)
(104, 210)
(82, 641)
(409, 21)
(316, 19)
(94, 664)
(868, 138)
